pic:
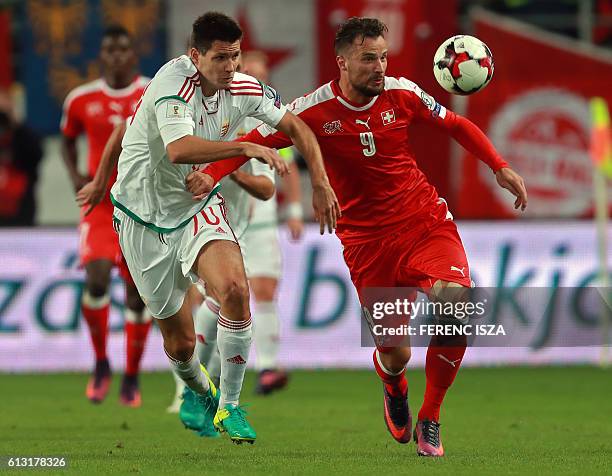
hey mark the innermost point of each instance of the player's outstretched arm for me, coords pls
(324, 201)
(478, 144)
(194, 150)
(93, 192)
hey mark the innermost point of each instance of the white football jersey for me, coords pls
(149, 188)
(239, 202)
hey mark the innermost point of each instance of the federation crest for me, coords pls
(332, 127)
(225, 127)
(388, 117)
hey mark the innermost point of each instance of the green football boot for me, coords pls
(191, 413)
(198, 411)
(208, 404)
(231, 419)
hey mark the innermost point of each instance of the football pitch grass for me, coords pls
(495, 421)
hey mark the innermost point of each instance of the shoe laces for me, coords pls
(206, 400)
(238, 414)
(431, 432)
(398, 408)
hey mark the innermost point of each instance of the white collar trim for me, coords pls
(355, 108)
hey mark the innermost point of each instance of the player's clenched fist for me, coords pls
(326, 206)
(199, 184)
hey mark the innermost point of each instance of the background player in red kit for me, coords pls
(94, 109)
(394, 228)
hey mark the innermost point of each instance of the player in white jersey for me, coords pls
(167, 237)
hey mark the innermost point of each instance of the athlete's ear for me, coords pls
(194, 54)
(341, 60)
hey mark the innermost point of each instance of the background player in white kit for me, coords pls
(166, 236)
(263, 256)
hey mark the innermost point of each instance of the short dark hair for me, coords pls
(356, 27)
(114, 31)
(211, 27)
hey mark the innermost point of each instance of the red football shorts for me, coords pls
(98, 239)
(409, 257)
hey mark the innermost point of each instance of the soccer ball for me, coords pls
(463, 65)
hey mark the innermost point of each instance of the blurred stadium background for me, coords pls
(551, 58)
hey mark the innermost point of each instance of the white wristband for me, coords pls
(294, 210)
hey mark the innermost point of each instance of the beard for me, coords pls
(369, 91)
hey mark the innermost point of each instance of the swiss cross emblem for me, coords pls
(388, 117)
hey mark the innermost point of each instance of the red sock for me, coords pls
(135, 339)
(97, 320)
(394, 384)
(441, 367)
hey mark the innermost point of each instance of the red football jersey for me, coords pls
(367, 154)
(95, 109)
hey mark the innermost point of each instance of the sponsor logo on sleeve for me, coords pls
(175, 110)
(429, 101)
(273, 95)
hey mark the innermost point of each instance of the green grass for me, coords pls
(495, 421)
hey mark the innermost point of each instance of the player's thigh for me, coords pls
(153, 263)
(220, 265)
(97, 237)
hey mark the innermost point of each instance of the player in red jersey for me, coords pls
(394, 228)
(94, 109)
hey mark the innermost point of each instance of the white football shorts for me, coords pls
(161, 263)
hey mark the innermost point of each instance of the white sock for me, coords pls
(180, 385)
(190, 372)
(234, 342)
(205, 323)
(265, 334)
(214, 367)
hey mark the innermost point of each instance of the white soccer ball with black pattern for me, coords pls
(463, 64)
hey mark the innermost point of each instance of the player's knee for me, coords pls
(134, 303)
(234, 293)
(401, 356)
(97, 284)
(181, 347)
(97, 288)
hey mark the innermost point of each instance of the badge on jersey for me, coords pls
(175, 110)
(388, 117)
(437, 110)
(272, 94)
(224, 127)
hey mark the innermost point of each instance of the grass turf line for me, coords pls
(495, 421)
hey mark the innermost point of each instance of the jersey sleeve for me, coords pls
(427, 109)
(71, 124)
(265, 105)
(174, 110)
